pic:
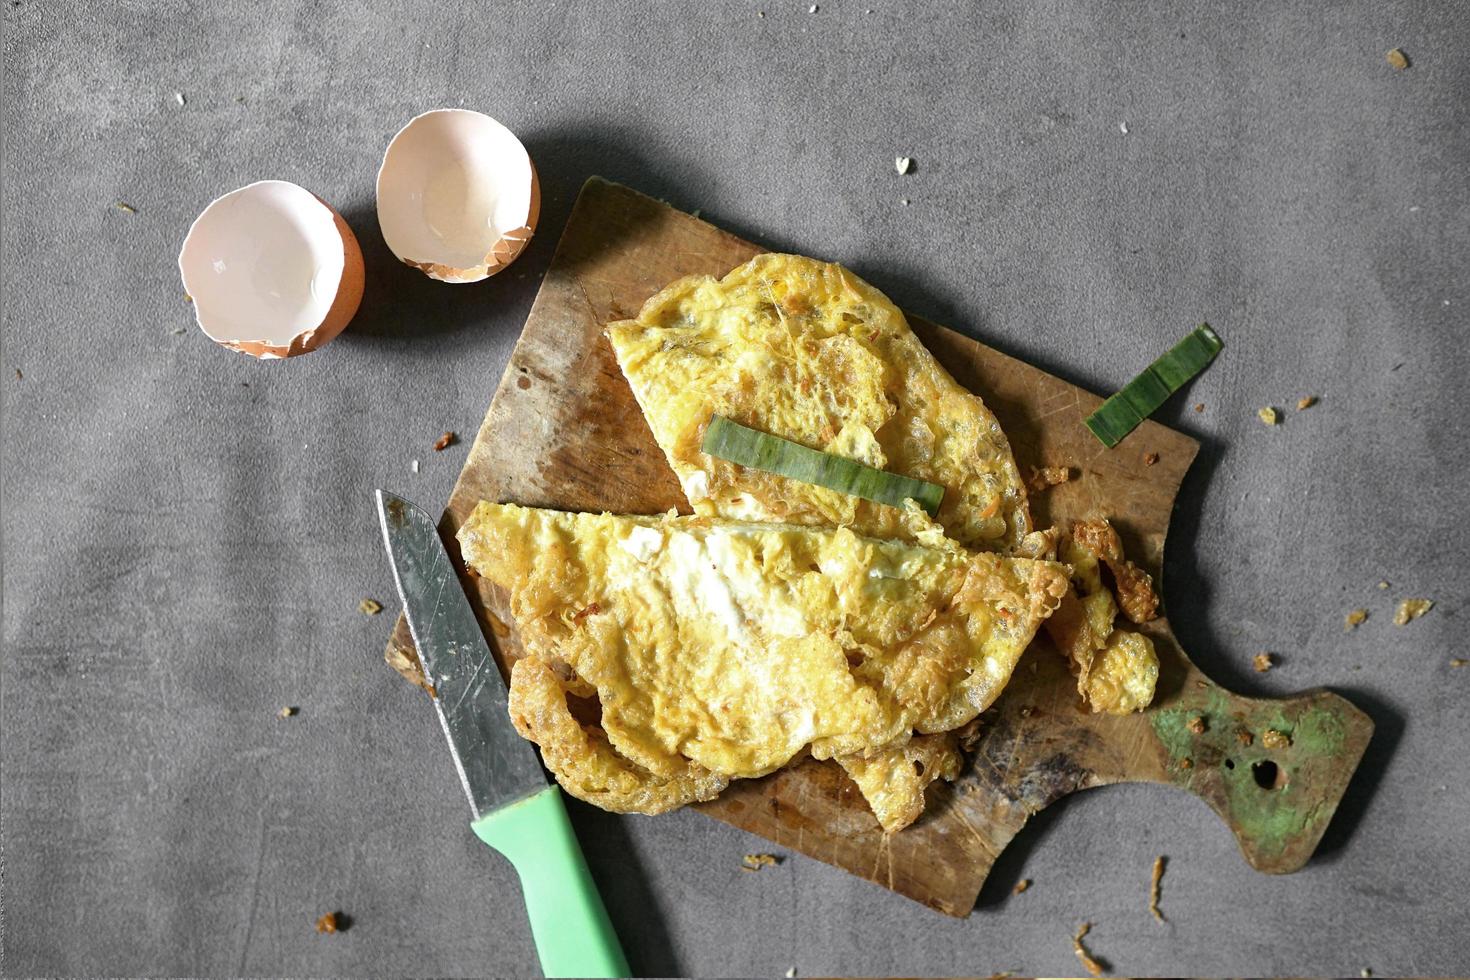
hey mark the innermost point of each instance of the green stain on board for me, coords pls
(1267, 819)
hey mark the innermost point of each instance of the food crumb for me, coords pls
(1397, 59)
(1458, 661)
(18, 375)
(1305, 403)
(754, 862)
(288, 711)
(1186, 763)
(1021, 886)
(903, 164)
(1093, 965)
(1048, 476)
(1383, 584)
(1269, 415)
(125, 207)
(1154, 889)
(1150, 459)
(1365, 972)
(1410, 610)
(1272, 739)
(1244, 737)
(370, 607)
(1354, 619)
(1123, 128)
(333, 922)
(1263, 662)
(1197, 724)
(444, 442)
(179, 98)
(760, 13)
(1199, 406)
(791, 972)
(813, 9)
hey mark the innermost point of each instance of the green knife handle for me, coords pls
(573, 935)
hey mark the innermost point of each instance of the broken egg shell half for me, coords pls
(458, 196)
(272, 270)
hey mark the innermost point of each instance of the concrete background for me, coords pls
(187, 532)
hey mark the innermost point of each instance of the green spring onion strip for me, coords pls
(1142, 396)
(763, 451)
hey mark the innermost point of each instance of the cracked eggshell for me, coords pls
(458, 196)
(273, 271)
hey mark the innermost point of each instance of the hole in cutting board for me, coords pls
(1268, 775)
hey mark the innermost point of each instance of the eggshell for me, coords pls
(272, 269)
(458, 196)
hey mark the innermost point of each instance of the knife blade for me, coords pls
(516, 810)
(496, 766)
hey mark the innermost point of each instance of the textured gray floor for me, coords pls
(187, 533)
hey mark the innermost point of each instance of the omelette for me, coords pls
(721, 649)
(807, 351)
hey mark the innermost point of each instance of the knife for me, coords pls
(516, 809)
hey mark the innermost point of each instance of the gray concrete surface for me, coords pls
(187, 533)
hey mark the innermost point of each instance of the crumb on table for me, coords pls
(333, 922)
(1093, 965)
(1410, 610)
(1154, 887)
(754, 862)
(370, 607)
(1263, 662)
(1355, 619)
(444, 442)
(1021, 886)
(1197, 724)
(1268, 415)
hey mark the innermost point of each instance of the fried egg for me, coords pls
(807, 351)
(721, 649)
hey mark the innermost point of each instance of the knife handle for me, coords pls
(568, 921)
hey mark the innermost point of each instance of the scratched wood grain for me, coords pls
(563, 431)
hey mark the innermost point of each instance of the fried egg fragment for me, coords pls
(893, 780)
(1116, 669)
(724, 649)
(807, 351)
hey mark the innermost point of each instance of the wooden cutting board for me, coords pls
(564, 432)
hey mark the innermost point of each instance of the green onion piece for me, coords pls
(763, 451)
(1142, 396)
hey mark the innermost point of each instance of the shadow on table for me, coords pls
(631, 903)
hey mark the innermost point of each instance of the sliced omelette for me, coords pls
(720, 649)
(807, 351)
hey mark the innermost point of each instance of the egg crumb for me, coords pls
(1410, 610)
(1268, 415)
(1355, 619)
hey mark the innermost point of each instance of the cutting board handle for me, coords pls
(1273, 769)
